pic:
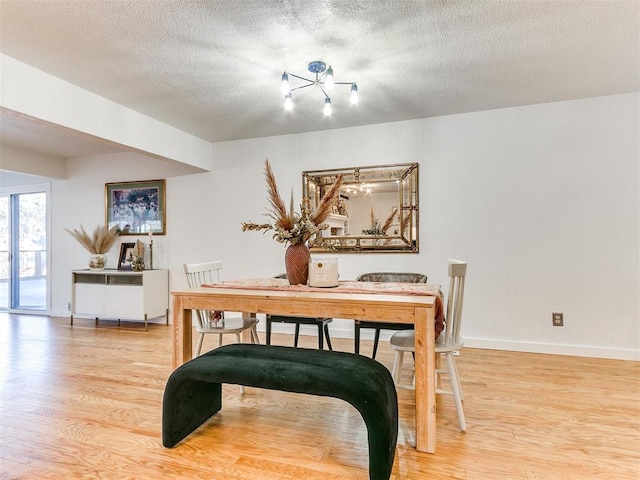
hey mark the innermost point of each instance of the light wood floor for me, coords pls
(85, 402)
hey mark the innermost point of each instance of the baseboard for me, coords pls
(57, 313)
(553, 348)
(339, 330)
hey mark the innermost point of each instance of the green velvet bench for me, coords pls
(194, 390)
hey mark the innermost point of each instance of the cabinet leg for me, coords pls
(96, 321)
(72, 320)
(145, 322)
(166, 315)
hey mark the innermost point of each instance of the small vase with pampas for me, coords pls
(98, 244)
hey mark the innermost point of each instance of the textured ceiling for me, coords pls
(212, 68)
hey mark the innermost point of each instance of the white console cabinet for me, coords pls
(120, 294)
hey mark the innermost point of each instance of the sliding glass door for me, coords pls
(23, 249)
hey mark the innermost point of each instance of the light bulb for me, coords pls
(284, 86)
(354, 94)
(328, 80)
(288, 102)
(327, 106)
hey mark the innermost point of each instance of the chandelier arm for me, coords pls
(325, 93)
(302, 86)
(301, 78)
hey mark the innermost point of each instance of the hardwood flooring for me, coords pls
(84, 402)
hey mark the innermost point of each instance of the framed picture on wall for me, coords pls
(138, 208)
(126, 251)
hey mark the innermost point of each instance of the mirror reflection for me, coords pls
(377, 209)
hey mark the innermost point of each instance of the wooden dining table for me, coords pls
(362, 302)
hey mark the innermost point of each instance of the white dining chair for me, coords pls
(448, 343)
(210, 321)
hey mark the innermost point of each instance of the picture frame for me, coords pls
(138, 208)
(124, 262)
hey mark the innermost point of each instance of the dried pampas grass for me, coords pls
(138, 250)
(290, 226)
(329, 199)
(278, 211)
(101, 241)
(389, 221)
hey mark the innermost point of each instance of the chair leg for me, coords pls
(376, 340)
(238, 339)
(397, 366)
(297, 335)
(199, 345)
(254, 335)
(268, 335)
(326, 335)
(455, 387)
(439, 370)
(320, 337)
(455, 369)
(219, 339)
(356, 337)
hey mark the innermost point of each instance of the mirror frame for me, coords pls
(406, 239)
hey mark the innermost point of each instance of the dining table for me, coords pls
(417, 304)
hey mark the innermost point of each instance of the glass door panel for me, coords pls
(23, 251)
(31, 251)
(4, 253)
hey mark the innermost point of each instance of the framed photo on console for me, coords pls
(138, 208)
(124, 260)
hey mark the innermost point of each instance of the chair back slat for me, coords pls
(457, 275)
(199, 274)
(402, 277)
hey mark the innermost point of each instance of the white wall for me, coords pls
(542, 201)
(29, 163)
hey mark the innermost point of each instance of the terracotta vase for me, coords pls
(296, 262)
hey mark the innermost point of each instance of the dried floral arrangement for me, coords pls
(136, 257)
(290, 226)
(101, 241)
(137, 253)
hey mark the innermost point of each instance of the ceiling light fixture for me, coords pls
(323, 80)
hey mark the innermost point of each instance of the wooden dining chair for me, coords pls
(321, 322)
(448, 343)
(210, 321)
(378, 326)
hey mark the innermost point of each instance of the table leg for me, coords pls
(425, 380)
(182, 330)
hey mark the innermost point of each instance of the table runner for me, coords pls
(395, 288)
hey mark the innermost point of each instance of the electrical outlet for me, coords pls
(69, 306)
(557, 319)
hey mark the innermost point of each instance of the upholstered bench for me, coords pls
(194, 391)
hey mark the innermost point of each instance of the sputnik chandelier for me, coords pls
(323, 80)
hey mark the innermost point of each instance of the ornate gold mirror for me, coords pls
(377, 210)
